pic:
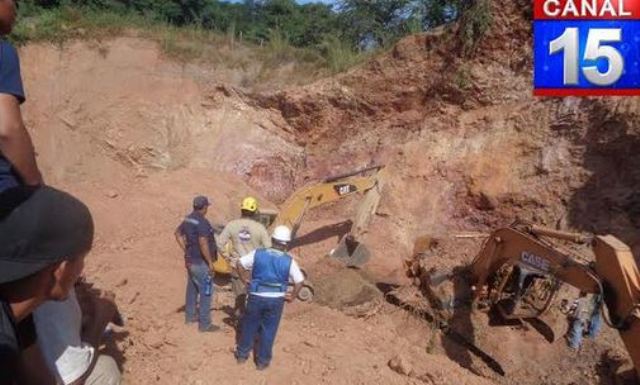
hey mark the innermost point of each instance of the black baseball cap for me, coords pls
(200, 202)
(49, 227)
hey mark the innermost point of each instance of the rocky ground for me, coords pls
(467, 148)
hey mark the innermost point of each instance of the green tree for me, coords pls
(335, 32)
(372, 22)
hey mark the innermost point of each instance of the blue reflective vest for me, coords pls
(270, 273)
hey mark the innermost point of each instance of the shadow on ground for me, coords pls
(458, 336)
(609, 201)
(338, 230)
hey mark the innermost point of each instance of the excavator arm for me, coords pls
(519, 271)
(618, 271)
(511, 246)
(293, 210)
(614, 275)
(367, 182)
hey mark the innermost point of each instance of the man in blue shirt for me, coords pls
(271, 271)
(44, 233)
(19, 173)
(196, 239)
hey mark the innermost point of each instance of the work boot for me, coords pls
(240, 360)
(262, 366)
(210, 329)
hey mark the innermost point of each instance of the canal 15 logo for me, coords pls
(586, 47)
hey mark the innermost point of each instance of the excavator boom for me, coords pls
(367, 181)
(621, 283)
(511, 246)
(614, 275)
(519, 271)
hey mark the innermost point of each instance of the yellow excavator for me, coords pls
(519, 272)
(367, 182)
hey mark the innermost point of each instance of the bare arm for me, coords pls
(243, 274)
(96, 316)
(104, 310)
(297, 276)
(290, 297)
(15, 142)
(180, 238)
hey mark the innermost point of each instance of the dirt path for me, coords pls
(136, 257)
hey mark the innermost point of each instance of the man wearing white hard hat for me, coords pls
(271, 270)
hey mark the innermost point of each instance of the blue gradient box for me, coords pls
(578, 53)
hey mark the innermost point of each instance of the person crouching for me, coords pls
(271, 270)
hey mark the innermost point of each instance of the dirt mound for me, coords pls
(344, 289)
(123, 109)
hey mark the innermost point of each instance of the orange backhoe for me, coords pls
(519, 272)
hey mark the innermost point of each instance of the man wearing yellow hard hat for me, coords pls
(245, 234)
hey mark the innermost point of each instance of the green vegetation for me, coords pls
(475, 23)
(462, 78)
(62, 23)
(330, 36)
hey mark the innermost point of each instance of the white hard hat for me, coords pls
(282, 234)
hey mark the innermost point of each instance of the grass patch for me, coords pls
(462, 78)
(474, 24)
(186, 43)
(339, 56)
(58, 25)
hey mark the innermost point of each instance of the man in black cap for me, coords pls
(43, 242)
(196, 239)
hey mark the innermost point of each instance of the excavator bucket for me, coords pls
(350, 250)
(221, 265)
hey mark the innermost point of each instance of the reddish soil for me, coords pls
(467, 148)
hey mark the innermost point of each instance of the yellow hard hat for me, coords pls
(249, 204)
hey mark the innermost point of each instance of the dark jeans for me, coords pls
(260, 320)
(595, 324)
(240, 292)
(576, 333)
(196, 281)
